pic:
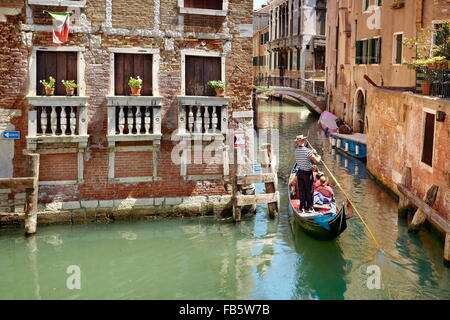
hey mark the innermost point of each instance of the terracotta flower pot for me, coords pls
(219, 92)
(136, 91)
(431, 66)
(426, 88)
(70, 91)
(49, 91)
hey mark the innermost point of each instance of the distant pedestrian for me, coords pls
(305, 179)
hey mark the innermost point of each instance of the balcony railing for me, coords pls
(440, 87)
(134, 118)
(202, 115)
(310, 86)
(57, 118)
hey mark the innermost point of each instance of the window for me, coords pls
(200, 70)
(56, 64)
(298, 59)
(319, 58)
(368, 51)
(428, 139)
(128, 65)
(261, 42)
(270, 61)
(374, 51)
(321, 17)
(398, 49)
(204, 4)
(366, 4)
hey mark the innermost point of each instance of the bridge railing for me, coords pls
(307, 85)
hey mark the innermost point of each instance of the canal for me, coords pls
(211, 258)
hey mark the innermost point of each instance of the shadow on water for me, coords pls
(313, 280)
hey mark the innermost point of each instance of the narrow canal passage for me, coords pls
(208, 258)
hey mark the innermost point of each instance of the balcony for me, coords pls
(57, 119)
(202, 117)
(440, 85)
(134, 118)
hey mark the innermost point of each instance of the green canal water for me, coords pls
(211, 258)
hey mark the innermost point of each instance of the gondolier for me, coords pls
(304, 158)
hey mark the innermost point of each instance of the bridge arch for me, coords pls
(314, 104)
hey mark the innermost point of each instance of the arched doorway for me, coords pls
(360, 106)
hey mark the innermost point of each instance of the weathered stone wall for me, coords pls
(395, 141)
(124, 24)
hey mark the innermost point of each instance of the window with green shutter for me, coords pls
(365, 52)
(358, 53)
(366, 4)
(298, 59)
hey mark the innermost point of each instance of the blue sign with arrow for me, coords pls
(11, 135)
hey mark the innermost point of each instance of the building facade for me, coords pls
(297, 39)
(102, 148)
(371, 88)
(261, 34)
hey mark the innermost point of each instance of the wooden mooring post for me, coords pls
(31, 188)
(268, 165)
(425, 211)
(404, 204)
(271, 197)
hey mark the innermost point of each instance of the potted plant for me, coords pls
(135, 85)
(70, 86)
(218, 86)
(49, 86)
(398, 4)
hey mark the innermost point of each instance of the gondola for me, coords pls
(327, 223)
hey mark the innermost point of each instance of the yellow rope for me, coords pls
(350, 201)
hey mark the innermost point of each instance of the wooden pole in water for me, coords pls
(447, 251)
(267, 159)
(236, 192)
(404, 204)
(420, 216)
(32, 197)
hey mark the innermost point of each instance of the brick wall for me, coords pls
(134, 15)
(396, 118)
(58, 167)
(133, 164)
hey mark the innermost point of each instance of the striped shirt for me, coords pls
(303, 158)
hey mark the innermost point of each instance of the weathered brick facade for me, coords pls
(95, 167)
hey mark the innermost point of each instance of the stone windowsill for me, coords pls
(58, 139)
(201, 136)
(57, 101)
(203, 100)
(206, 12)
(135, 137)
(134, 101)
(58, 3)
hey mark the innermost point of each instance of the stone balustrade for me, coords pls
(57, 119)
(134, 118)
(202, 115)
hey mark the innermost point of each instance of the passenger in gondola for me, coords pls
(305, 158)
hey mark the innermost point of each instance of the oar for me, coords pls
(348, 199)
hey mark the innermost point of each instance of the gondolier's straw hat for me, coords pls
(301, 138)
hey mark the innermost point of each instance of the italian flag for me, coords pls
(60, 26)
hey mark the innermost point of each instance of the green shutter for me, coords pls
(379, 51)
(372, 51)
(298, 59)
(358, 53)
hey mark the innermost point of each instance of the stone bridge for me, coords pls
(305, 91)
